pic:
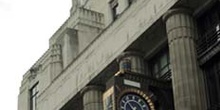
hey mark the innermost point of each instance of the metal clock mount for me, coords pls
(131, 91)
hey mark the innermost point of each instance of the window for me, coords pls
(209, 19)
(212, 78)
(114, 8)
(208, 26)
(160, 65)
(33, 97)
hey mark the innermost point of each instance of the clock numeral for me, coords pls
(133, 97)
(127, 98)
(123, 101)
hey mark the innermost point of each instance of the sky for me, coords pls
(25, 29)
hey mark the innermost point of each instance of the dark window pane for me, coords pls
(114, 7)
(160, 64)
(33, 93)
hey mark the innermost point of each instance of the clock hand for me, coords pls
(133, 108)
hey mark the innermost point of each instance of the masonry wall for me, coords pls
(105, 49)
(90, 62)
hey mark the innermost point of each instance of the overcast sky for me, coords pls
(25, 29)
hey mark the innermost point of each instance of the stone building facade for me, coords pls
(130, 55)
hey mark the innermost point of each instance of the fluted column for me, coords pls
(131, 61)
(55, 61)
(92, 98)
(188, 88)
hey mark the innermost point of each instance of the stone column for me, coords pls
(92, 98)
(188, 86)
(55, 61)
(131, 61)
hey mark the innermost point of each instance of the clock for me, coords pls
(135, 100)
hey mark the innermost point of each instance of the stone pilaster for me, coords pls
(55, 61)
(70, 47)
(75, 5)
(131, 61)
(92, 98)
(188, 86)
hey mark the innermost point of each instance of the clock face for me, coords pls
(133, 102)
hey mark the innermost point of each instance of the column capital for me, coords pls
(92, 87)
(129, 53)
(174, 11)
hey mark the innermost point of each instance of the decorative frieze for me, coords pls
(55, 61)
(34, 71)
(86, 17)
(88, 24)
